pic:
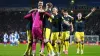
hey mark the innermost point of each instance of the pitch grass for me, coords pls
(19, 50)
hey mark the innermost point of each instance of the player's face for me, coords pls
(65, 13)
(40, 4)
(49, 5)
(79, 15)
(54, 10)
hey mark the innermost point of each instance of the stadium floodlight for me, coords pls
(72, 2)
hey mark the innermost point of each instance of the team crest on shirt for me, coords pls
(79, 21)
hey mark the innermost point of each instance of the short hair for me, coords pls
(40, 1)
(49, 4)
(65, 10)
(56, 8)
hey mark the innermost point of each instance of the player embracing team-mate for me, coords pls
(37, 27)
(28, 51)
(67, 27)
(47, 29)
(53, 30)
(56, 31)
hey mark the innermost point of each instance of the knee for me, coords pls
(46, 40)
(34, 40)
(82, 42)
(78, 39)
(58, 41)
(30, 42)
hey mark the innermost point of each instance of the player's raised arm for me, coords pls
(92, 10)
(27, 16)
(48, 14)
(66, 22)
(71, 24)
(32, 10)
(72, 28)
(71, 17)
(30, 13)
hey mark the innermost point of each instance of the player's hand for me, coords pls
(70, 16)
(93, 9)
(67, 23)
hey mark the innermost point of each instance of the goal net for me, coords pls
(88, 39)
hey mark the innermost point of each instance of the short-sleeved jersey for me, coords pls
(79, 24)
(66, 27)
(56, 23)
(46, 21)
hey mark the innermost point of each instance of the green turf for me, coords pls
(19, 50)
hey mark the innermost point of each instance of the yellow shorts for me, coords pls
(47, 33)
(29, 36)
(54, 36)
(65, 35)
(79, 35)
